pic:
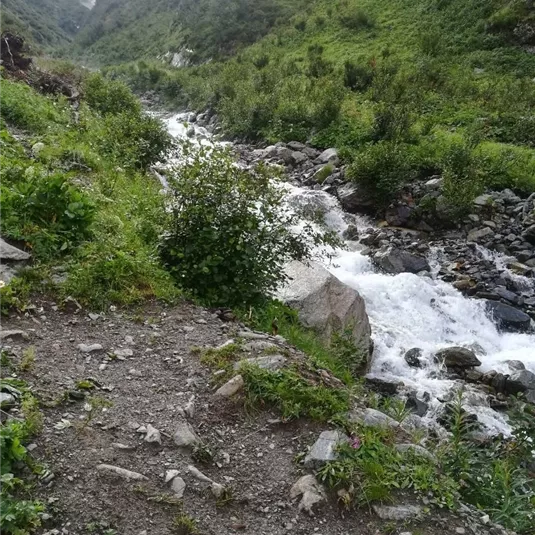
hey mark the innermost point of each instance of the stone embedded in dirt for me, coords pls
(324, 449)
(178, 486)
(89, 348)
(15, 334)
(230, 387)
(134, 373)
(185, 436)
(217, 490)
(372, 418)
(311, 491)
(121, 446)
(122, 472)
(93, 316)
(123, 352)
(189, 408)
(457, 357)
(477, 235)
(6, 400)
(397, 512)
(396, 260)
(250, 335)
(507, 317)
(412, 357)
(269, 362)
(8, 252)
(153, 436)
(260, 346)
(328, 305)
(197, 474)
(170, 474)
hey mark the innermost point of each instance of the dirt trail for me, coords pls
(151, 382)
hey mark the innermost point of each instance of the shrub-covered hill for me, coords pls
(405, 89)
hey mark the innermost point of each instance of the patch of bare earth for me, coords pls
(151, 382)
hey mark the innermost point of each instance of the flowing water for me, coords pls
(408, 311)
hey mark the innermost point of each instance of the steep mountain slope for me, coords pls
(44, 22)
(124, 30)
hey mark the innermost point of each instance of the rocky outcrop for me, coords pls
(326, 304)
(11, 260)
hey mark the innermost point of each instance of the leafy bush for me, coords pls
(357, 77)
(134, 140)
(357, 19)
(109, 96)
(382, 169)
(46, 211)
(228, 237)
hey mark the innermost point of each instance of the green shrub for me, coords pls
(357, 77)
(134, 140)
(46, 211)
(108, 96)
(382, 169)
(357, 19)
(228, 238)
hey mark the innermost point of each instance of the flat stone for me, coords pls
(123, 352)
(260, 345)
(185, 436)
(197, 474)
(269, 362)
(397, 512)
(15, 334)
(250, 335)
(230, 387)
(89, 348)
(8, 252)
(217, 489)
(121, 472)
(311, 491)
(324, 449)
(170, 474)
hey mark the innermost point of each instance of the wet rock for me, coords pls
(515, 365)
(121, 472)
(354, 198)
(10, 253)
(457, 357)
(230, 387)
(397, 512)
(398, 215)
(269, 362)
(324, 449)
(385, 388)
(507, 317)
(153, 436)
(311, 491)
(89, 348)
(395, 260)
(351, 233)
(185, 436)
(416, 405)
(178, 486)
(328, 305)
(372, 418)
(412, 357)
(504, 293)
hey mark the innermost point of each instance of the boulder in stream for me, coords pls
(396, 260)
(507, 317)
(457, 357)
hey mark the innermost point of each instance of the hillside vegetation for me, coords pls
(405, 89)
(45, 23)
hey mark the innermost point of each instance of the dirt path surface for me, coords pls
(154, 379)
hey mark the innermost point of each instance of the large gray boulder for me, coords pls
(396, 260)
(326, 304)
(457, 357)
(11, 260)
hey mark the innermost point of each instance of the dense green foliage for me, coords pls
(228, 236)
(402, 88)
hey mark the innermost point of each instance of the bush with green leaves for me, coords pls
(382, 168)
(228, 235)
(109, 96)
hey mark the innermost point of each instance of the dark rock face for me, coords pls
(415, 405)
(457, 357)
(520, 381)
(12, 53)
(395, 260)
(412, 357)
(354, 199)
(507, 317)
